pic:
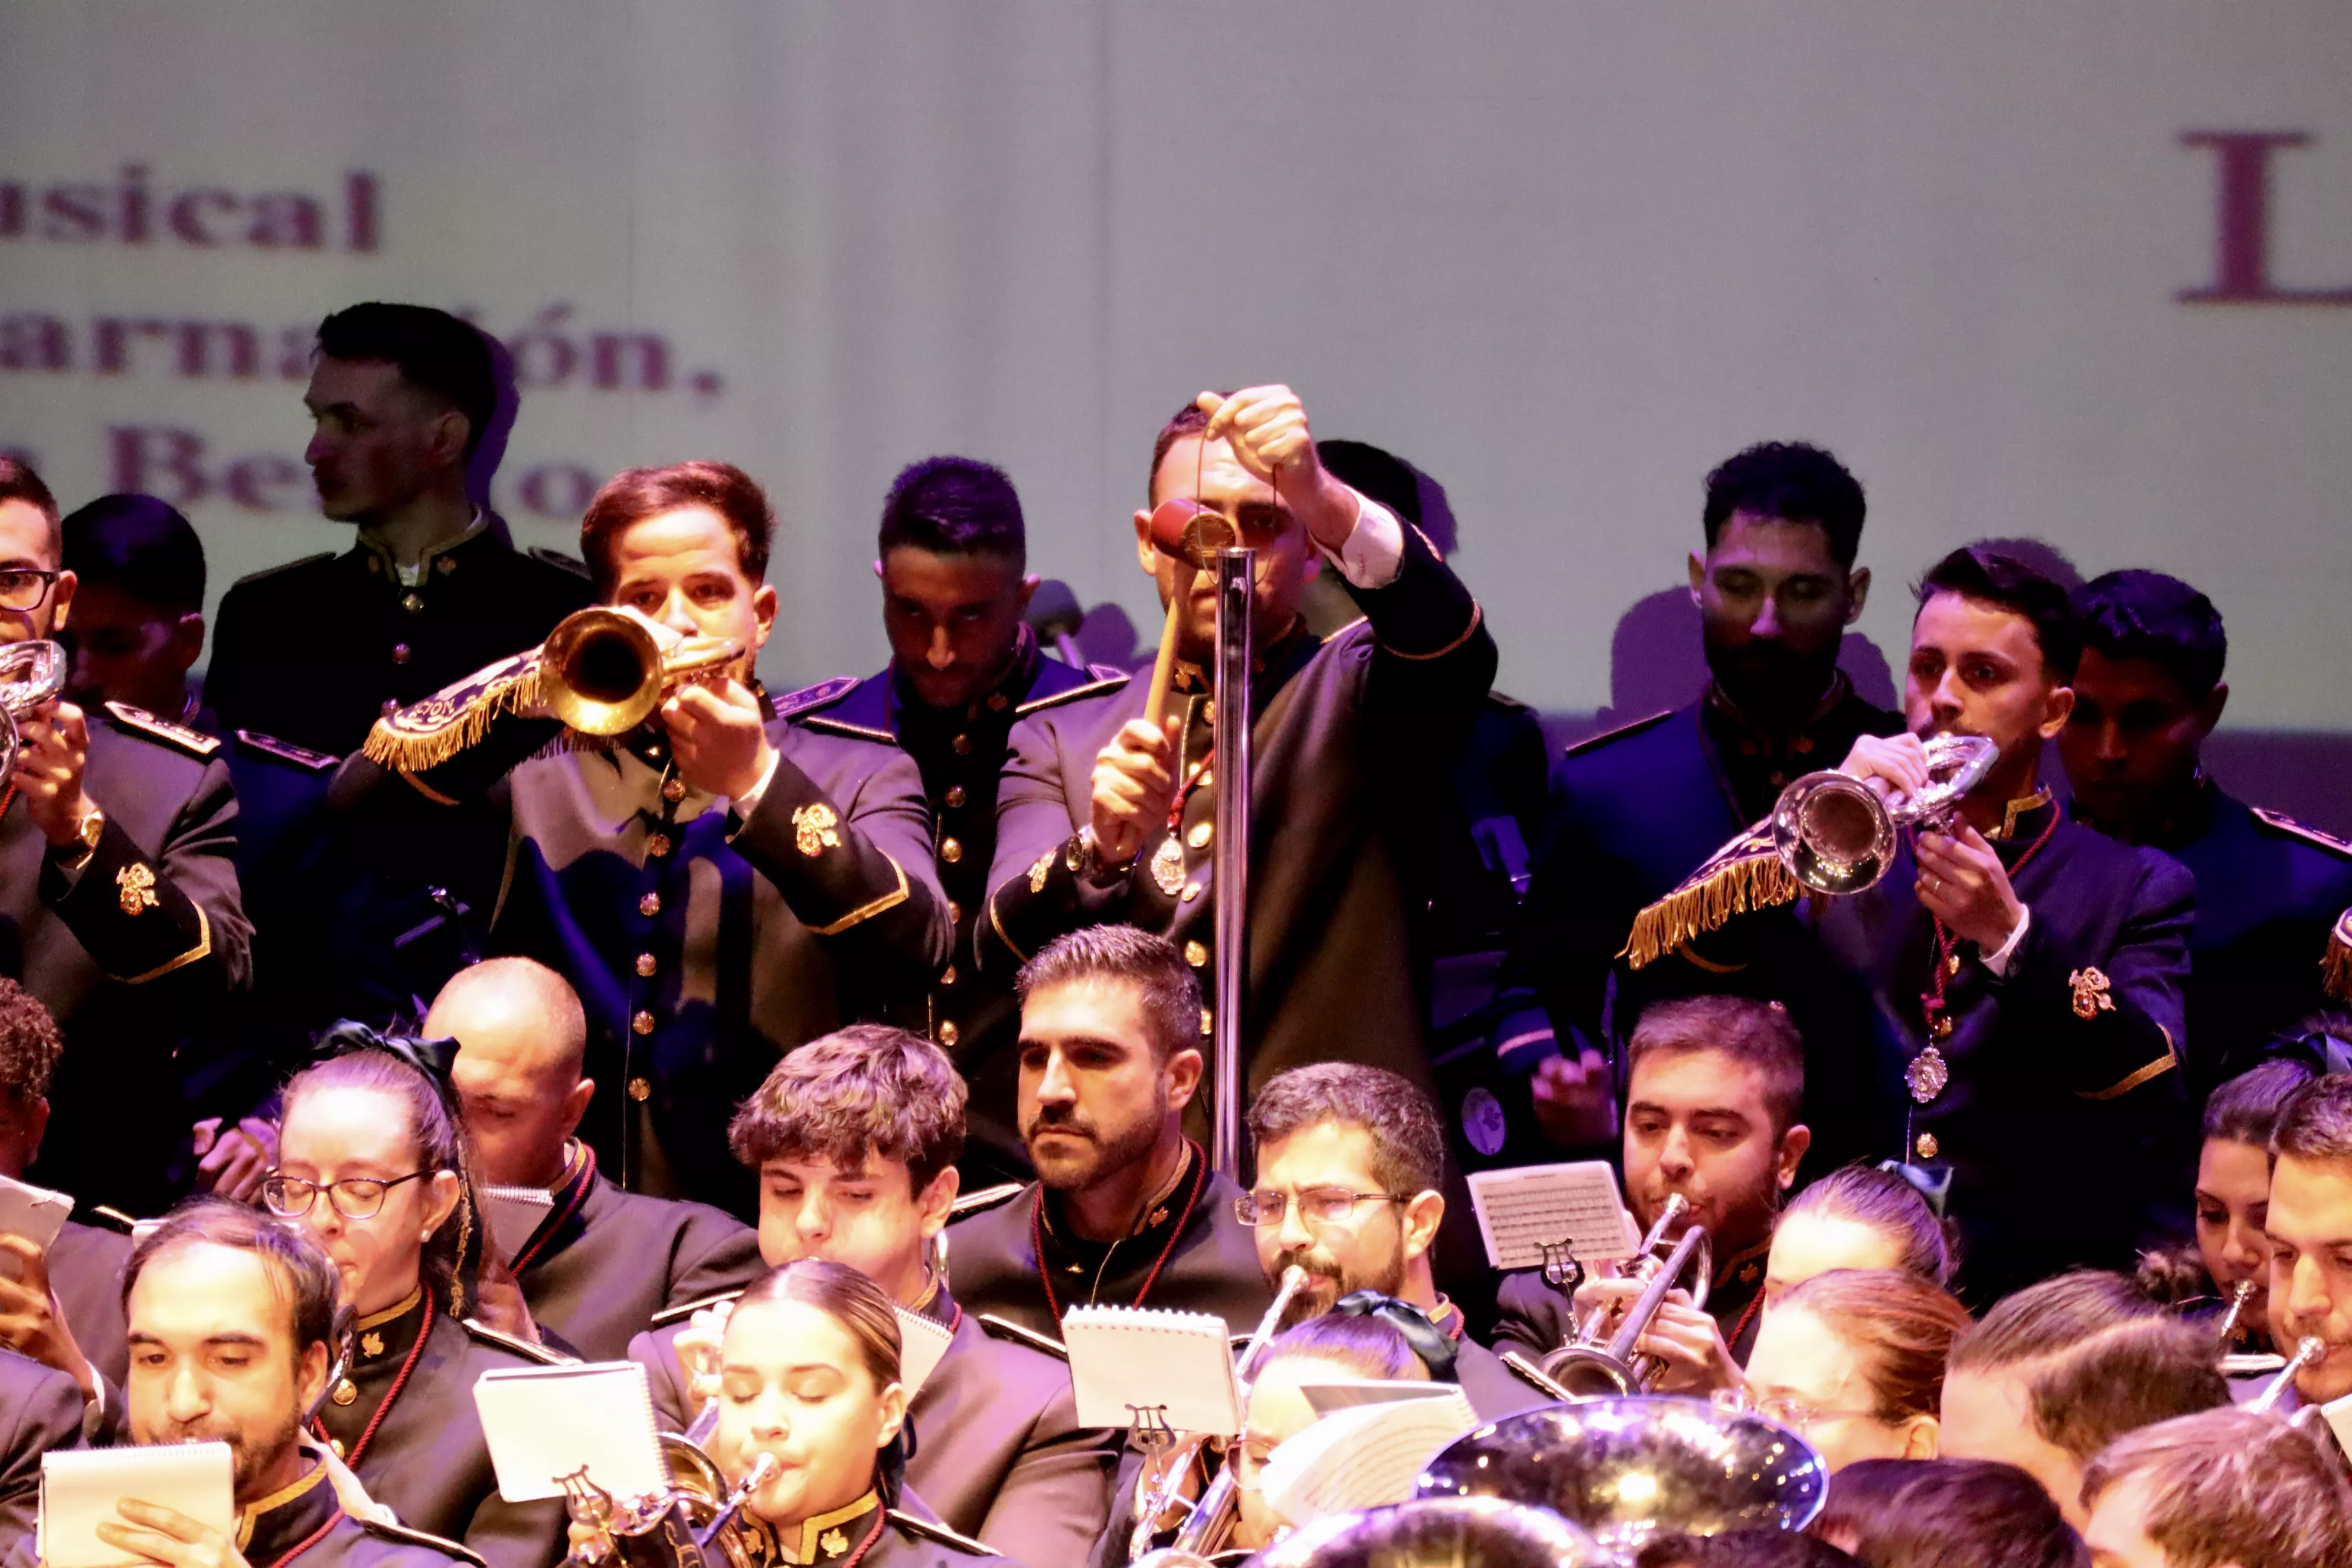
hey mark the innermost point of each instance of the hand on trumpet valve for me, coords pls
(53, 751)
(1894, 765)
(1684, 1339)
(1134, 784)
(721, 739)
(697, 1349)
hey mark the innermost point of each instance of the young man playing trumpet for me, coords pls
(719, 885)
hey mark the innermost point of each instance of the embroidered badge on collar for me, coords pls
(1927, 1074)
(135, 886)
(1038, 873)
(2091, 988)
(833, 1542)
(814, 828)
(371, 1343)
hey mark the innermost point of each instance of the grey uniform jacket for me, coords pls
(86, 1275)
(40, 1409)
(999, 1453)
(597, 1275)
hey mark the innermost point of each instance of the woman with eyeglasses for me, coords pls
(1852, 1362)
(2233, 1197)
(372, 1160)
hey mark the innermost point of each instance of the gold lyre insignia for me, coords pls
(135, 886)
(1038, 872)
(814, 828)
(2091, 988)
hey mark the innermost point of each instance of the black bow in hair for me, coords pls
(1433, 1344)
(434, 1058)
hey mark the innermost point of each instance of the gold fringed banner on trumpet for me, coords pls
(425, 735)
(2335, 968)
(1745, 875)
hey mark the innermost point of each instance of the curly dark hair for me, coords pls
(29, 1044)
(1792, 483)
(868, 1090)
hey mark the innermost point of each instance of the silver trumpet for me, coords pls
(31, 673)
(2227, 1329)
(1590, 1367)
(1206, 1527)
(2308, 1351)
(1836, 835)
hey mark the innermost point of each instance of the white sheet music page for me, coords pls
(544, 1423)
(921, 1343)
(1177, 1366)
(1521, 1212)
(1362, 1456)
(80, 1487)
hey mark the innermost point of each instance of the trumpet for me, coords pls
(1203, 1533)
(602, 672)
(31, 673)
(1837, 836)
(2308, 1351)
(2227, 1328)
(1588, 1367)
(698, 1522)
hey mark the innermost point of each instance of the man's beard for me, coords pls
(1127, 1146)
(1326, 1282)
(252, 1454)
(1771, 682)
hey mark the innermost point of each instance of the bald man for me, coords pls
(596, 1264)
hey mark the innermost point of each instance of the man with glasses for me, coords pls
(1125, 1211)
(1350, 1163)
(116, 845)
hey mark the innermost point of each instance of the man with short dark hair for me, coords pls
(118, 882)
(233, 1320)
(1107, 816)
(1351, 1161)
(1714, 1088)
(2055, 1373)
(2309, 1223)
(61, 1307)
(952, 558)
(1125, 1211)
(138, 606)
(854, 1138)
(2148, 691)
(1637, 809)
(2218, 1489)
(716, 884)
(2001, 1007)
(402, 397)
(600, 1263)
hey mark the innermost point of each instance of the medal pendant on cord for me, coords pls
(1168, 865)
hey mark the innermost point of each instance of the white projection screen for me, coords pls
(2078, 271)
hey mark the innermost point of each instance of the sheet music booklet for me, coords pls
(544, 1423)
(921, 1343)
(1145, 1368)
(1571, 1207)
(79, 1486)
(1366, 1454)
(34, 1213)
(513, 1213)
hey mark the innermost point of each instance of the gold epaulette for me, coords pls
(507, 1341)
(932, 1530)
(2335, 967)
(425, 735)
(686, 1310)
(1745, 875)
(179, 737)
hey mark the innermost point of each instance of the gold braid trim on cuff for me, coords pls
(2335, 966)
(424, 735)
(1745, 875)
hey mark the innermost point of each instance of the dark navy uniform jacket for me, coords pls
(40, 1409)
(86, 1265)
(703, 945)
(867, 1535)
(999, 1453)
(137, 954)
(1352, 741)
(311, 651)
(2268, 890)
(2054, 1104)
(306, 1524)
(1192, 1254)
(426, 1460)
(962, 754)
(605, 1262)
(1633, 812)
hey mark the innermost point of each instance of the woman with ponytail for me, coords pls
(372, 1160)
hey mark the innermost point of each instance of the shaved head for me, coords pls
(521, 1040)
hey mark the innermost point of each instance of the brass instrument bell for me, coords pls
(1836, 835)
(31, 673)
(1439, 1532)
(602, 672)
(1590, 1367)
(1630, 1470)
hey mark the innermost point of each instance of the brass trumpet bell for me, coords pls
(31, 673)
(1837, 836)
(1629, 1470)
(1439, 1532)
(604, 673)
